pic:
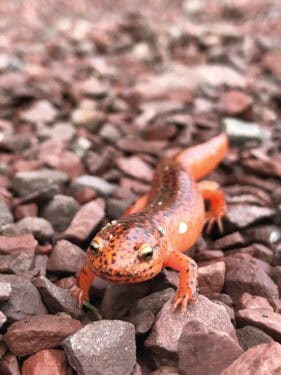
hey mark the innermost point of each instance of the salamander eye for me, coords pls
(145, 252)
(95, 246)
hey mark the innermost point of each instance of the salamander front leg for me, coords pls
(188, 278)
(211, 192)
(84, 281)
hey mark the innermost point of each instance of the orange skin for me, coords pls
(166, 222)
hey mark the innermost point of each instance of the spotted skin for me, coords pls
(166, 222)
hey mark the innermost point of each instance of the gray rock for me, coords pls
(24, 301)
(66, 257)
(39, 227)
(249, 336)
(217, 349)
(5, 291)
(116, 207)
(163, 340)
(16, 263)
(60, 211)
(106, 347)
(110, 132)
(57, 299)
(98, 184)
(41, 111)
(25, 183)
(6, 217)
(276, 276)
(3, 319)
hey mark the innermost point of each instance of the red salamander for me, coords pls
(161, 225)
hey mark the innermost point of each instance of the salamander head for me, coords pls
(127, 252)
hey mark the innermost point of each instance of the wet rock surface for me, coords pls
(92, 99)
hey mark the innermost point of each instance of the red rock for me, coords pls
(25, 210)
(266, 320)
(17, 244)
(136, 186)
(250, 336)
(85, 221)
(165, 334)
(66, 258)
(211, 278)
(262, 359)
(160, 132)
(245, 274)
(84, 195)
(39, 332)
(248, 301)
(228, 241)
(165, 370)
(66, 282)
(44, 249)
(9, 365)
(271, 62)
(46, 362)
(137, 145)
(134, 166)
(217, 349)
(236, 102)
(207, 255)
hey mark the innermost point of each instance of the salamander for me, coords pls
(161, 225)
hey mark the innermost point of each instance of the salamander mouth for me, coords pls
(125, 277)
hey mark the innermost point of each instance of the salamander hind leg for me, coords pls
(211, 192)
(187, 290)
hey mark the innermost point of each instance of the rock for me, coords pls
(98, 184)
(243, 215)
(62, 131)
(260, 360)
(57, 299)
(249, 336)
(135, 145)
(116, 207)
(9, 365)
(276, 276)
(119, 299)
(40, 112)
(41, 229)
(6, 217)
(135, 167)
(143, 313)
(236, 102)
(266, 234)
(163, 340)
(25, 210)
(229, 241)
(114, 354)
(211, 277)
(248, 301)
(39, 332)
(85, 195)
(89, 118)
(85, 221)
(100, 162)
(16, 263)
(217, 349)
(166, 370)
(109, 132)
(60, 211)
(271, 62)
(266, 320)
(25, 183)
(25, 243)
(5, 291)
(256, 250)
(46, 362)
(207, 255)
(3, 319)
(244, 274)
(66, 258)
(24, 301)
